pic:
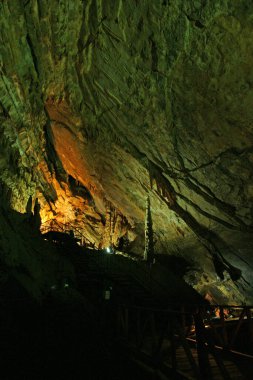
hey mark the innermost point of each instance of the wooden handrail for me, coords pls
(54, 225)
(148, 318)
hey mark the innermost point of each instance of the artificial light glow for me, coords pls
(108, 250)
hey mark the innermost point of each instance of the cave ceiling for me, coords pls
(103, 102)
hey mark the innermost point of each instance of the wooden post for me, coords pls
(210, 347)
(123, 320)
(119, 320)
(183, 318)
(161, 338)
(250, 325)
(187, 350)
(144, 325)
(224, 328)
(138, 327)
(173, 345)
(237, 328)
(154, 333)
(126, 322)
(204, 365)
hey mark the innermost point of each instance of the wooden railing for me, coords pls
(54, 225)
(155, 279)
(149, 331)
(220, 318)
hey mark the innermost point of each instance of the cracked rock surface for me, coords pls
(104, 102)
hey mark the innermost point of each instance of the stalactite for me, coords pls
(157, 178)
(116, 227)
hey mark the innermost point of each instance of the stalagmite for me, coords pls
(149, 242)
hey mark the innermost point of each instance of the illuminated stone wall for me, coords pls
(104, 102)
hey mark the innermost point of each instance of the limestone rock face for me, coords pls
(105, 102)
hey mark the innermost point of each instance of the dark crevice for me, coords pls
(231, 151)
(52, 159)
(5, 113)
(80, 42)
(10, 95)
(80, 190)
(154, 55)
(140, 24)
(48, 192)
(208, 195)
(204, 191)
(109, 32)
(199, 24)
(219, 267)
(35, 61)
(226, 208)
(196, 23)
(39, 9)
(213, 242)
(82, 45)
(208, 215)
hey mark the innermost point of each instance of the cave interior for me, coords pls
(125, 131)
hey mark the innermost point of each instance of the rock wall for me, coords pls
(103, 102)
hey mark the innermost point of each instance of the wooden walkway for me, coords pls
(160, 337)
(185, 368)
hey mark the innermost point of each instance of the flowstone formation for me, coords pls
(102, 102)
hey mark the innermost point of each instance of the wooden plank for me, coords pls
(188, 351)
(150, 333)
